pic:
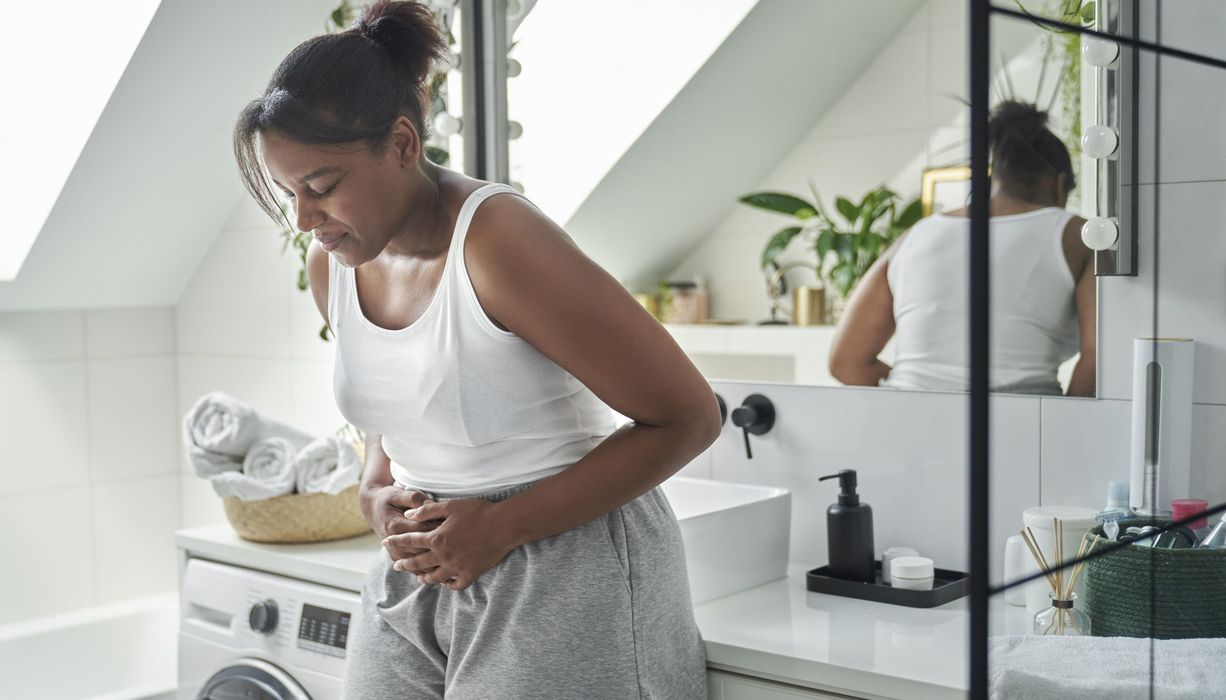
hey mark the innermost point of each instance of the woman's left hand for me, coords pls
(473, 536)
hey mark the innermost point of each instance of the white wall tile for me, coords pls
(133, 531)
(43, 426)
(1209, 453)
(909, 449)
(200, 506)
(132, 417)
(238, 299)
(46, 547)
(128, 332)
(699, 467)
(314, 404)
(1191, 290)
(41, 336)
(1189, 143)
(1086, 443)
(304, 324)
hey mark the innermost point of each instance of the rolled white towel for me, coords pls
(327, 465)
(268, 471)
(219, 430)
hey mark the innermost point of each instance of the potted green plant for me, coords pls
(844, 248)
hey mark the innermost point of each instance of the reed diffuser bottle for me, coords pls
(1062, 618)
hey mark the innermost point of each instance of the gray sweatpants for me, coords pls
(599, 611)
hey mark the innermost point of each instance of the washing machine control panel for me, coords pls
(323, 630)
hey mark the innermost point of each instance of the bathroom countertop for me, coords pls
(777, 630)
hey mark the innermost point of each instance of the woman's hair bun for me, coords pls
(406, 30)
(1020, 118)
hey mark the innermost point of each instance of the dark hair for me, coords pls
(1023, 148)
(344, 88)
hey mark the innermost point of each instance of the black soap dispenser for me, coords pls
(849, 532)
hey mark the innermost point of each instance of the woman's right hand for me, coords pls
(384, 507)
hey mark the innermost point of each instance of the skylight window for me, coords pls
(58, 69)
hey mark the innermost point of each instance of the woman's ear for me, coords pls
(405, 141)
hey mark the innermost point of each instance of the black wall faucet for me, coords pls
(755, 415)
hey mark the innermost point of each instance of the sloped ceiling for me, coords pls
(157, 178)
(757, 96)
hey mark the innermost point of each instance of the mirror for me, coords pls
(643, 128)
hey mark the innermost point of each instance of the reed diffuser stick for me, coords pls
(1033, 546)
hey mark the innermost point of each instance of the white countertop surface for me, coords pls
(777, 630)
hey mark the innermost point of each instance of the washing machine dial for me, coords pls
(263, 616)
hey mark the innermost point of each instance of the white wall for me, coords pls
(89, 482)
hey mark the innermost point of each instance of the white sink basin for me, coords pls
(736, 535)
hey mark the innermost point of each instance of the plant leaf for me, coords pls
(824, 244)
(777, 244)
(844, 277)
(781, 202)
(849, 211)
(911, 214)
(845, 247)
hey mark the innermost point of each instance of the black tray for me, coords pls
(947, 585)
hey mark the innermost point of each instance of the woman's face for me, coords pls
(352, 200)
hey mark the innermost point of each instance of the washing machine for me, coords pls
(256, 636)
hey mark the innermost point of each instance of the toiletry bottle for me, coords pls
(1216, 538)
(1117, 509)
(1188, 507)
(849, 532)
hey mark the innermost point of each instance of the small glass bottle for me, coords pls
(1062, 619)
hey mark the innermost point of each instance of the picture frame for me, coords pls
(944, 189)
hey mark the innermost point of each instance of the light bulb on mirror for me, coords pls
(1100, 141)
(1099, 233)
(513, 68)
(446, 124)
(514, 130)
(1100, 52)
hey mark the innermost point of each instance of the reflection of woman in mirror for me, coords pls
(1043, 299)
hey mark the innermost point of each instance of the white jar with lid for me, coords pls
(911, 573)
(888, 557)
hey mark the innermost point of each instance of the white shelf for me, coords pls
(757, 352)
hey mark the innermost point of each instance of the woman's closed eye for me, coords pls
(324, 193)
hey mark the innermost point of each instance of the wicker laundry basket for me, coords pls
(299, 517)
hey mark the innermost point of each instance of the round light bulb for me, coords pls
(1100, 141)
(1099, 52)
(519, 186)
(446, 124)
(1099, 233)
(514, 130)
(513, 68)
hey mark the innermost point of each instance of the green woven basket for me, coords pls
(1190, 586)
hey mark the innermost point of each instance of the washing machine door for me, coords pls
(251, 679)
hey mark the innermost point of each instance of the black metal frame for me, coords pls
(981, 12)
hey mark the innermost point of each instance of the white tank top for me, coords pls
(463, 406)
(1034, 320)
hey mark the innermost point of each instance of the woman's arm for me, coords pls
(534, 281)
(866, 326)
(1082, 381)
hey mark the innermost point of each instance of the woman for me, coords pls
(1043, 307)
(527, 549)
